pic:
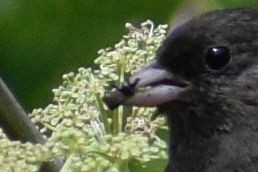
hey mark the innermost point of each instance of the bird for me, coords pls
(205, 79)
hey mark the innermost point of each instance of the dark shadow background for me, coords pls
(42, 39)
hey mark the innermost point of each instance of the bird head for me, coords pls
(206, 66)
(205, 78)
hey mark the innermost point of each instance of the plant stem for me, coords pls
(118, 114)
(120, 118)
(104, 113)
(17, 125)
(123, 166)
(68, 163)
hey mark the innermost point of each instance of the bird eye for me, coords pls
(217, 57)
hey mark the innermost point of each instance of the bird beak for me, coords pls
(150, 87)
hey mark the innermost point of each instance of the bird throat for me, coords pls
(201, 143)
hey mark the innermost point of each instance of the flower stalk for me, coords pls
(80, 129)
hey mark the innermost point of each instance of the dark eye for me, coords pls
(217, 57)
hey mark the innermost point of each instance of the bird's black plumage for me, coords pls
(212, 111)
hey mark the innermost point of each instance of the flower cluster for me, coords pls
(19, 157)
(78, 126)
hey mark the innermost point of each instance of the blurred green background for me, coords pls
(41, 40)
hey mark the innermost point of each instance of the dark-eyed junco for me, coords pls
(205, 78)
